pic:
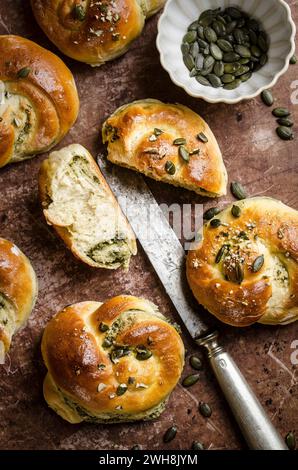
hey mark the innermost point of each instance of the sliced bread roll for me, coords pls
(79, 204)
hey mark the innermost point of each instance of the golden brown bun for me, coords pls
(18, 291)
(80, 205)
(39, 100)
(132, 142)
(86, 366)
(91, 31)
(268, 293)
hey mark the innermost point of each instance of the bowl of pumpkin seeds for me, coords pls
(226, 50)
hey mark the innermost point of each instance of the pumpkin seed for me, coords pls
(257, 264)
(219, 28)
(239, 274)
(193, 73)
(190, 380)
(216, 51)
(234, 12)
(206, 71)
(157, 131)
(189, 61)
(253, 25)
(121, 389)
(193, 26)
(210, 34)
(231, 67)
(281, 112)
(242, 70)
(290, 440)
(263, 41)
(210, 213)
(215, 223)
(232, 85)
(202, 137)
(202, 44)
(293, 60)
(267, 97)
(245, 77)
(170, 168)
(236, 211)
(24, 72)
(285, 122)
(227, 78)
(256, 51)
(170, 434)
(194, 49)
(214, 80)
(190, 37)
(103, 327)
(218, 69)
(200, 31)
(106, 343)
(253, 37)
(221, 19)
(231, 57)
(221, 253)
(231, 26)
(205, 410)
(203, 81)
(209, 62)
(196, 362)
(200, 62)
(244, 61)
(243, 51)
(143, 354)
(238, 191)
(285, 133)
(179, 141)
(79, 12)
(225, 45)
(185, 48)
(184, 153)
(196, 445)
(239, 36)
(263, 59)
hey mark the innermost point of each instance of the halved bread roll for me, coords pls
(167, 142)
(79, 204)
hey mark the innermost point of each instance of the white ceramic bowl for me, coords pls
(275, 16)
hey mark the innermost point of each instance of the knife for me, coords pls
(167, 257)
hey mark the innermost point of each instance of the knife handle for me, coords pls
(255, 425)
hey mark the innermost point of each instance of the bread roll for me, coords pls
(18, 292)
(79, 204)
(38, 99)
(92, 31)
(161, 141)
(245, 269)
(110, 362)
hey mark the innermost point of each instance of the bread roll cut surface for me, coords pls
(18, 291)
(110, 362)
(147, 136)
(39, 101)
(79, 204)
(93, 31)
(245, 269)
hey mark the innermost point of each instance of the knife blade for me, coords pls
(167, 256)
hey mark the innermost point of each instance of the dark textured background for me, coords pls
(253, 155)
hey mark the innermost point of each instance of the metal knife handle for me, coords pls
(255, 425)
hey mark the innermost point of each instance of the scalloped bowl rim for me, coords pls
(199, 94)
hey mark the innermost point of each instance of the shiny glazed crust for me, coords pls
(39, 100)
(84, 375)
(131, 140)
(91, 31)
(18, 290)
(268, 292)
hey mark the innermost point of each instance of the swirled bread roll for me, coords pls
(93, 31)
(38, 99)
(110, 362)
(167, 142)
(18, 292)
(245, 269)
(79, 204)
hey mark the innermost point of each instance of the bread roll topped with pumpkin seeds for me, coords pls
(111, 362)
(93, 31)
(245, 268)
(167, 142)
